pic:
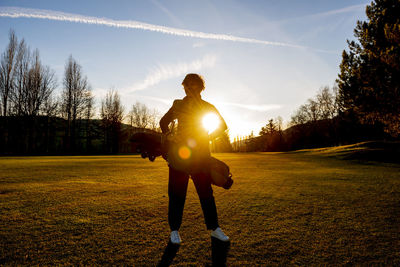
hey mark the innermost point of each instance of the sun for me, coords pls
(210, 122)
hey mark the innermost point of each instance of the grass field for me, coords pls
(303, 208)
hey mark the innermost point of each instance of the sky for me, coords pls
(260, 58)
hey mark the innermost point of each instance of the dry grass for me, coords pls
(283, 209)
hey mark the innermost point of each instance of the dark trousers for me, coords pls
(177, 188)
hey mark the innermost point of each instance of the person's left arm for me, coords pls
(221, 128)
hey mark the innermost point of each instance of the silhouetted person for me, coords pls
(189, 156)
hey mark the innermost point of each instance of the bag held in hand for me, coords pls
(151, 145)
(220, 173)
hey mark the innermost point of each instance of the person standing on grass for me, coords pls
(189, 154)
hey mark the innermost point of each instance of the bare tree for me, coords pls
(111, 107)
(313, 110)
(20, 91)
(89, 112)
(50, 107)
(36, 99)
(154, 123)
(26, 87)
(279, 123)
(300, 116)
(323, 106)
(141, 116)
(8, 63)
(38, 87)
(336, 103)
(326, 103)
(74, 99)
(112, 114)
(89, 105)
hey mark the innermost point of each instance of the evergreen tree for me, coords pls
(369, 79)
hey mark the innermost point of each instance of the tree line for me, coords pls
(319, 122)
(34, 120)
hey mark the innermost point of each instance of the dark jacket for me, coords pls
(191, 134)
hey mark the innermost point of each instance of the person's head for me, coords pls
(193, 84)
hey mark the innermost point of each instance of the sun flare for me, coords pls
(210, 122)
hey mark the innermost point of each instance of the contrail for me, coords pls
(17, 12)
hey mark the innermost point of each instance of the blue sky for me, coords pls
(248, 82)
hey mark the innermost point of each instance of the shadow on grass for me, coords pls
(219, 253)
(169, 254)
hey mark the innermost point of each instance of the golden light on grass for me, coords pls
(96, 204)
(184, 152)
(210, 122)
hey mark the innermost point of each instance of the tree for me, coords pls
(369, 78)
(270, 128)
(89, 113)
(34, 99)
(75, 100)
(8, 65)
(271, 136)
(112, 114)
(26, 92)
(140, 116)
(19, 93)
(322, 107)
(300, 116)
(37, 88)
(326, 103)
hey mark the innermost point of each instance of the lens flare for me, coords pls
(184, 152)
(210, 122)
(191, 143)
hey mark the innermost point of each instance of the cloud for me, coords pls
(17, 12)
(198, 44)
(166, 71)
(252, 107)
(166, 101)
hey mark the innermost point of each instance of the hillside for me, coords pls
(366, 151)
